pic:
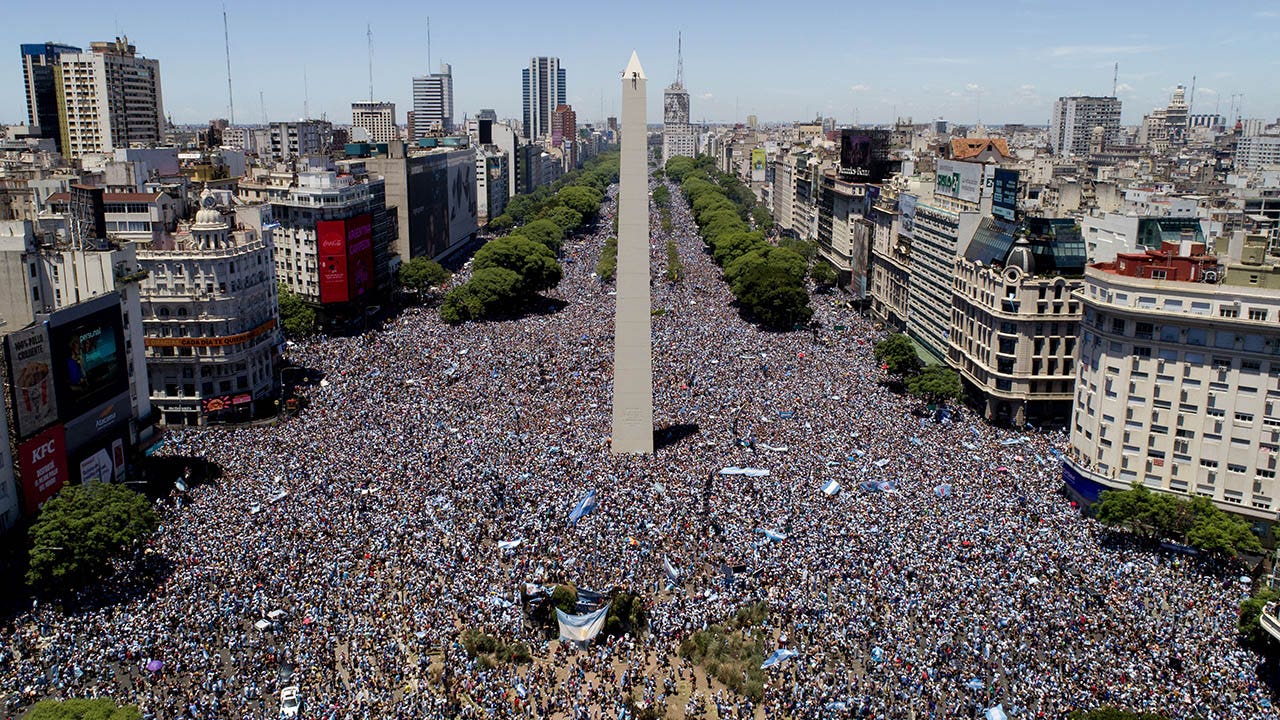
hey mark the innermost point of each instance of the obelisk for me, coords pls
(632, 342)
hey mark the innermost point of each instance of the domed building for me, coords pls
(211, 318)
(1014, 323)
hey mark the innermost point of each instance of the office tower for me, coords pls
(433, 102)
(544, 89)
(677, 136)
(109, 98)
(39, 63)
(378, 119)
(1074, 119)
(632, 337)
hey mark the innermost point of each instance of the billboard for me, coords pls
(961, 180)
(907, 215)
(758, 160)
(1004, 194)
(42, 460)
(345, 249)
(864, 155)
(31, 373)
(86, 343)
(102, 460)
(463, 203)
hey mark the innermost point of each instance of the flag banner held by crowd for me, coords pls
(581, 628)
(672, 571)
(831, 488)
(774, 535)
(586, 505)
(996, 713)
(748, 471)
(778, 656)
(509, 544)
(943, 490)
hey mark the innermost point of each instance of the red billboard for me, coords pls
(42, 460)
(345, 248)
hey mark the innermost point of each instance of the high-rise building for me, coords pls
(210, 317)
(544, 89)
(39, 63)
(433, 103)
(1074, 119)
(677, 136)
(108, 98)
(377, 119)
(290, 140)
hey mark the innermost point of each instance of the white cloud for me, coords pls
(706, 96)
(1124, 89)
(860, 88)
(973, 88)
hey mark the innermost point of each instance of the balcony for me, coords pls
(1270, 621)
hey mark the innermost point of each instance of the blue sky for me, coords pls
(781, 61)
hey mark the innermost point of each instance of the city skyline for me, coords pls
(965, 66)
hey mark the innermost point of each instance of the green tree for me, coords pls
(82, 709)
(806, 249)
(586, 200)
(81, 530)
(544, 231)
(460, 305)
(421, 274)
(296, 317)
(777, 260)
(1219, 533)
(1249, 621)
(936, 383)
(899, 353)
(565, 218)
(1130, 509)
(496, 288)
(678, 167)
(661, 196)
(607, 265)
(532, 261)
(762, 218)
(564, 597)
(823, 274)
(502, 223)
(774, 299)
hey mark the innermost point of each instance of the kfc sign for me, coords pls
(42, 460)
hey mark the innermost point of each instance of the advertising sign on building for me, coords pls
(345, 248)
(42, 460)
(463, 203)
(87, 345)
(31, 372)
(907, 215)
(98, 467)
(758, 159)
(864, 155)
(960, 180)
(1004, 194)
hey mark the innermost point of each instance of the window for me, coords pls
(1143, 330)
(1227, 311)
(1117, 326)
(1244, 417)
(1258, 314)
(1232, 467)
(1206, 462)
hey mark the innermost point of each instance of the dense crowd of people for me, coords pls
(346, 549)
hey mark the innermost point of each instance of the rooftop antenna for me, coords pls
(369, 35)
(263, 103)
(1115, 79)
(679, 60)
(306, 96)
(226, 38)
(1192, 102)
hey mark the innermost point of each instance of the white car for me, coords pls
(289, 701)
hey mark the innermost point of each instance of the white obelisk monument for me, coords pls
(632, 342)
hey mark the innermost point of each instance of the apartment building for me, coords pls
(1179, 378)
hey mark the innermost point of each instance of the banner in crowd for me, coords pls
(581, 628)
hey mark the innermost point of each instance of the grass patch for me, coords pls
(675, 268)
(607, 265)
(732, 652)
